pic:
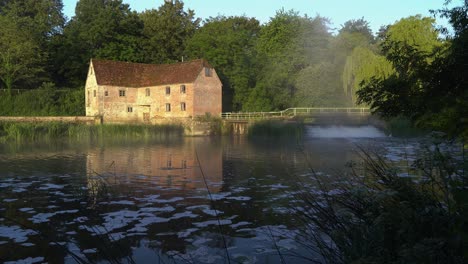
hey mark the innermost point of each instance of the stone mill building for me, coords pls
(123, 92)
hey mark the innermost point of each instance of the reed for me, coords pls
(30, 132)
(276, 128)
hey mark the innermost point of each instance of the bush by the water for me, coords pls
(274, 128)
(45, 101)
(380, 216)
(403, 127)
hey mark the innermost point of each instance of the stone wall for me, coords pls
(45, 119)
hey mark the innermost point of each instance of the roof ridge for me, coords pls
(152, 64)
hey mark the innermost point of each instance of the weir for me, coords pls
(239, 122)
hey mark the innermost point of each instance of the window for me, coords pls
(182, 89)
(88, 103)
(207, 72)
(148, 93)
(106, 93)
(129, 109)
(168, 107)
(121, 93)
(184, 164)
(168, 90)
(94, 93)
(182, 106)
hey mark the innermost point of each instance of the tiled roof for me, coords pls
(127, 74)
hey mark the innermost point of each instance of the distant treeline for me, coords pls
(292, 60)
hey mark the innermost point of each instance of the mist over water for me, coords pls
(345, 132)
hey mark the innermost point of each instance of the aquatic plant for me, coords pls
(375, 215)
(276, 128)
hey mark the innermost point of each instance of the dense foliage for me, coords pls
(406, 69)
(429, 82)
(292, 60)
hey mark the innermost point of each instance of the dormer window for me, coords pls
(208, 72)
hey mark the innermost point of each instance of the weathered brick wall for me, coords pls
(208, 94)
(115, 107)
(203, 96)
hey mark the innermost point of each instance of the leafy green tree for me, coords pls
(28, 26)
(20, 56)
(100, 29)
(316, 86)
(429, 83)
(167, 30)
(228, 43)
(287, 44)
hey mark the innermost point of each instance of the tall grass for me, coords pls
(276, 128)
(381, 217)
(30, 132)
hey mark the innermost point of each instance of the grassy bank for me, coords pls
(275, 128)
(25, 132)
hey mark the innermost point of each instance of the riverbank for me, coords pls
(25, 132)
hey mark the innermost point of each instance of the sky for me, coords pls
(376, 12)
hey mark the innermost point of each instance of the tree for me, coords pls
(228, 43)
(362, 65)
(105, 29)
(166, 31)
(288, 43)
(429, 83)
(358, 26)
(316, 86)
(27, 31)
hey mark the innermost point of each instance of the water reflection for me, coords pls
(148, 202)
(166, 166)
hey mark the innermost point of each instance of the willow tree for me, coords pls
(363, 64)
(415, 52)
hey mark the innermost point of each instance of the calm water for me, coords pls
(151, 203)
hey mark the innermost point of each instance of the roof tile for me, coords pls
(127, 74)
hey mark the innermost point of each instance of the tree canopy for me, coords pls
(291, 60)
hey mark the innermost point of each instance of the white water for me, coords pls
(345, 132)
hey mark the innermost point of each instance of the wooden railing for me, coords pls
(292, 112)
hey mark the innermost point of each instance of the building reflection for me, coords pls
(171, 166)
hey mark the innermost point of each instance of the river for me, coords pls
(192, 200)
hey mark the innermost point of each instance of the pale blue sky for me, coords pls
(377, 12)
